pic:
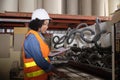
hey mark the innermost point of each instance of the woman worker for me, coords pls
(35, 50)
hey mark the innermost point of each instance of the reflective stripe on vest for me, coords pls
(31, 64)
(35, 73)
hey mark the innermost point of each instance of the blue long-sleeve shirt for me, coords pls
(32, 49)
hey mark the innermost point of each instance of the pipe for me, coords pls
(9, 5)
(72, 7)
(62, 39)
(86, 7)
(27, 5)
(13, 20)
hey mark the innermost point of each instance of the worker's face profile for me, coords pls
(45, 26)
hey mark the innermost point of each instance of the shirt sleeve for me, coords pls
(32, 49)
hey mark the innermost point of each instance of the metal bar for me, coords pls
(14, 20)
(92, 70)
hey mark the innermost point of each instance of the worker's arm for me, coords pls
(32, 49)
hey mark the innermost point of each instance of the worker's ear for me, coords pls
(39, 29)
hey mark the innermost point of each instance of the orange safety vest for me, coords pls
(31, 70)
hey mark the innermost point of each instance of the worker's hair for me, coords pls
(36, 24)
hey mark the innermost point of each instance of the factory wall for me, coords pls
(6, 62)
(27, 5)
(86, 7)
(11, 5)
(56, 6)
(10, 53)
(73, 7)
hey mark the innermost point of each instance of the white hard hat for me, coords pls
(40, 14)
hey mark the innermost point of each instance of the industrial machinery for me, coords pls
(93, 51)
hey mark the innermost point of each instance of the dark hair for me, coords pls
(36, 24)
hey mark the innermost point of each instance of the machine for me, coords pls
(90, 49)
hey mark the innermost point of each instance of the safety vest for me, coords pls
(31, 70)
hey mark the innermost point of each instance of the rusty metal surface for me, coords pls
(103, 73)
(58, 20)
(54, 16)
(73, 74)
